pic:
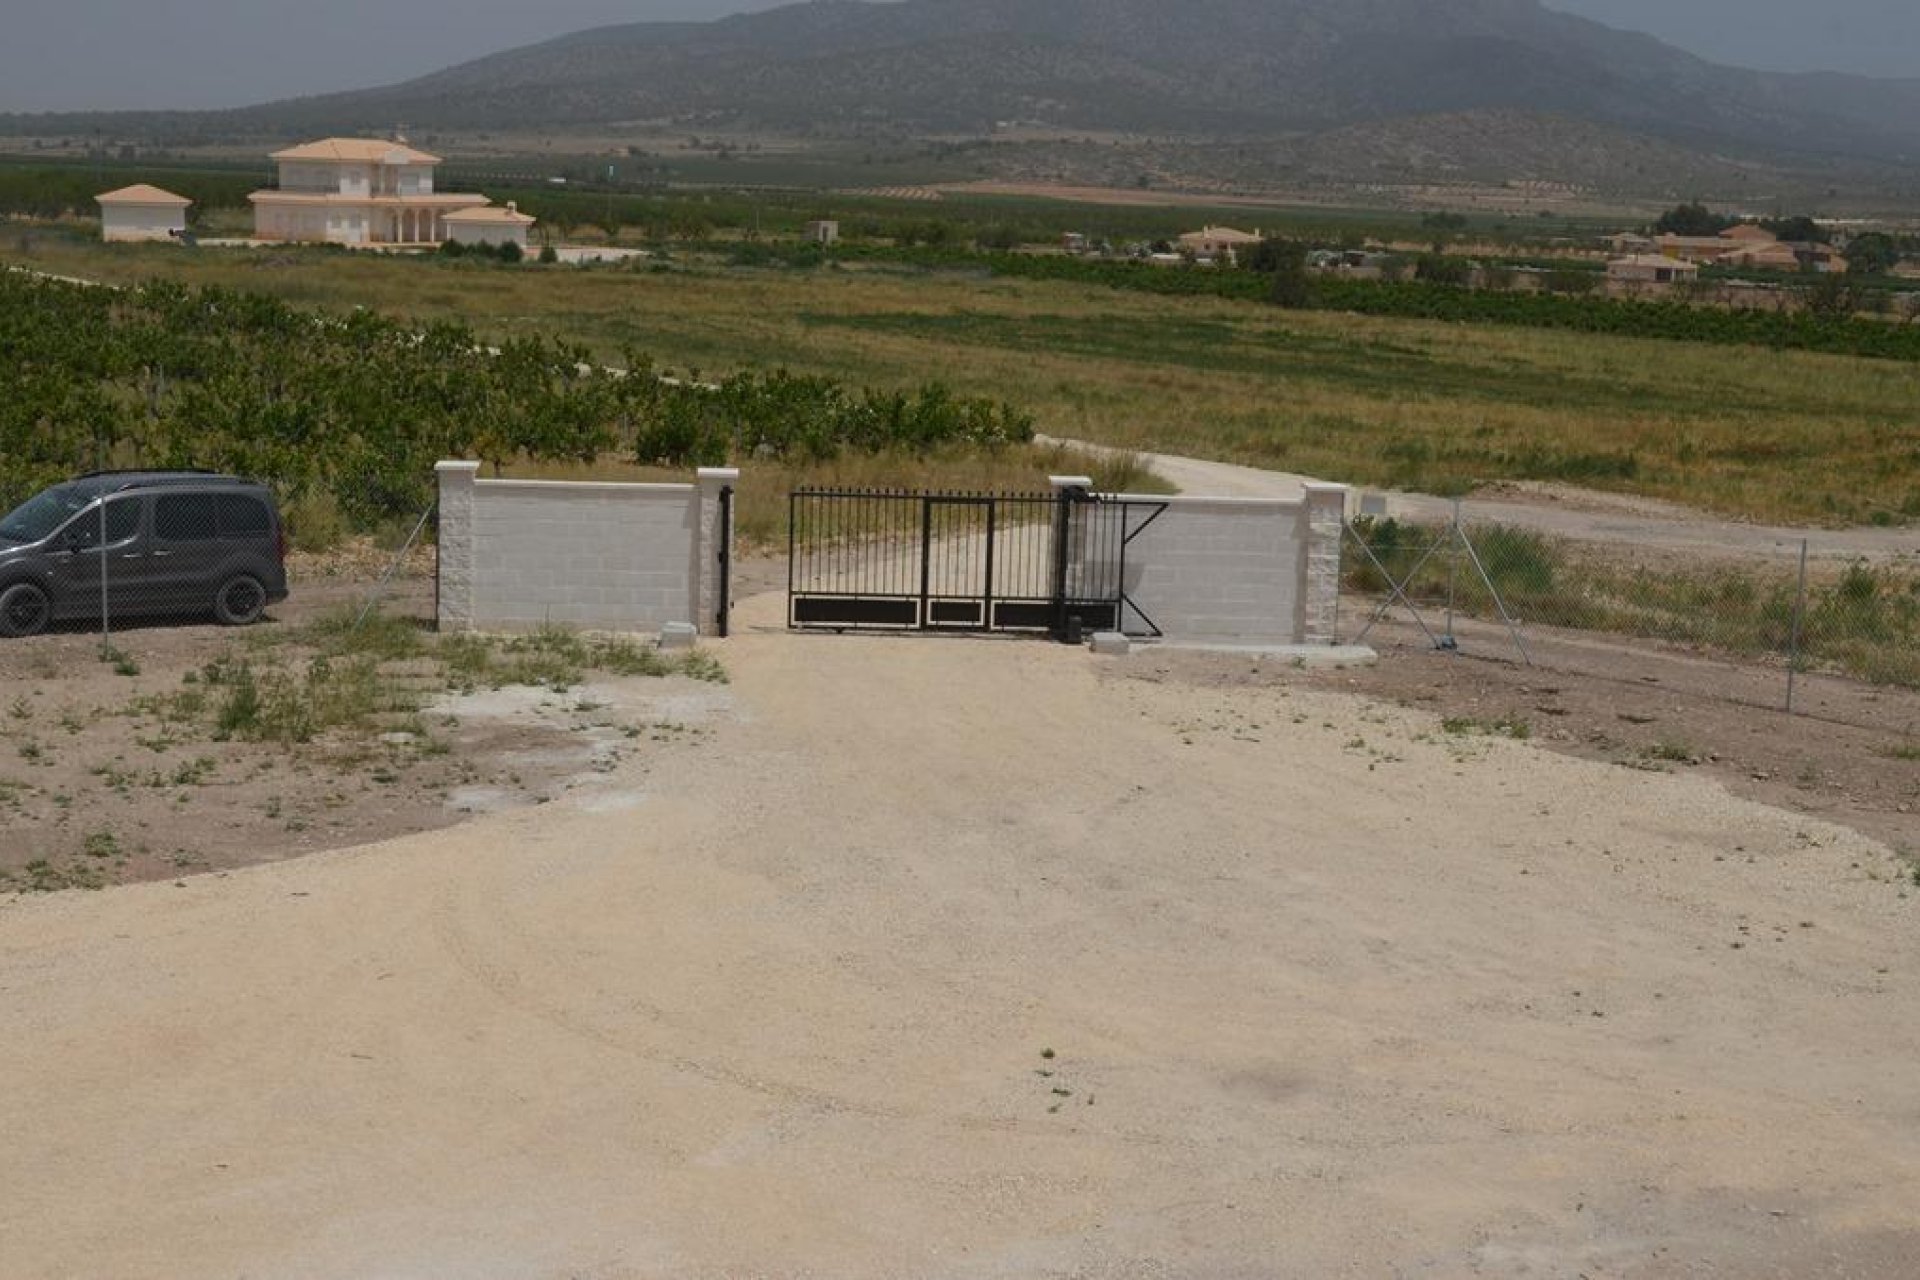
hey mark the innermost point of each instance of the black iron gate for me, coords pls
(929, 561)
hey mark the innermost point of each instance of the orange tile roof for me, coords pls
(141, 193)
(361, 150)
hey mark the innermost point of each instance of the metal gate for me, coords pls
(934, 561)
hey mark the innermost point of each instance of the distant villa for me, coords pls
(369, 191)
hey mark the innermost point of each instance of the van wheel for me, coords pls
(24, 610)
(240, 601)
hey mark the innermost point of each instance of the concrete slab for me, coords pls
(1305, 655)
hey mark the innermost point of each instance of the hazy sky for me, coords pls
(81, 54)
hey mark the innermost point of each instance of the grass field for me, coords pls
(1742, 431)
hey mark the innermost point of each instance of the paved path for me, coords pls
(1585, 516)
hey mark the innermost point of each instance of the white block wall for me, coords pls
(142, 221)
(1239, 571)
(519, 554)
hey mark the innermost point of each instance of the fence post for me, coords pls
(106, 631)
(1455, 536)
(1799, 616)
(453, 583)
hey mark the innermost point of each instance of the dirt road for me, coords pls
(1584, 515)
(977, 958)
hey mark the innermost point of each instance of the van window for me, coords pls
(184, 517)
(243, 517)
(123, 521)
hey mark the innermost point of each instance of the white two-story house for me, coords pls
(356, 191)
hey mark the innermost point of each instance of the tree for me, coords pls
(1829, 297)
(1444, 227)
(1436, 268)
(1286, 260)
(1573, 281)
(1800, 227)
(1873, 254)
(1693, 219)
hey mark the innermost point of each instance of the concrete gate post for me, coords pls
(454, 579)
(1326, 516)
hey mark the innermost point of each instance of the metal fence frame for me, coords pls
(1444, 580)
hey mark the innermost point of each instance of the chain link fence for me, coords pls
(129, 561)
(1820, 635)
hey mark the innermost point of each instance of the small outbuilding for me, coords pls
(489, 224)
(1651, 268)
(823, 231)
(141, 212)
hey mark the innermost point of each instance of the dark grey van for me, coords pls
(168, 542)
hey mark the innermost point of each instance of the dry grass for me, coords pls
(1747, 432)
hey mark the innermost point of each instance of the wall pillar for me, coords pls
(1325, 513)
(454, 582)
(712, 546)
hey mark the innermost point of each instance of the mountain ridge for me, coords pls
(1249, 68)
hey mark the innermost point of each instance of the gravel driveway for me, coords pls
(974, 958)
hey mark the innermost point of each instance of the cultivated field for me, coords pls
(977, 958)
(1780, 436)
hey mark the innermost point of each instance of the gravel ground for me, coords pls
(974, 958)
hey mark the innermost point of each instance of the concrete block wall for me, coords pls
(1240, 571)
(518, 554)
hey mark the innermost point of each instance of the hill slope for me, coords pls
(1252, 66)
(1247, 68)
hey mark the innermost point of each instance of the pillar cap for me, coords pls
(1071, 482)
(728, 474)
(447, 466)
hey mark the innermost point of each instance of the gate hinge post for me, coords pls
(712, 588)
(1068, 491)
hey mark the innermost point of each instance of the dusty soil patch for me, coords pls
(1641, 711)
(105, 778)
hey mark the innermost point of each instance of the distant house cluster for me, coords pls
(353, 191)
(1207, 247)
(1745, 245)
